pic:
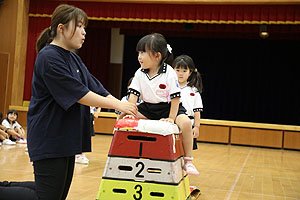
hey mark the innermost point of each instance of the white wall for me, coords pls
(117, 46)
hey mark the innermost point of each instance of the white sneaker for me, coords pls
(21, 141)
(81, 159)
(8, 142)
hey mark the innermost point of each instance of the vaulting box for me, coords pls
(145, 161)
(151, 139)
(127, 190)
(144, 170)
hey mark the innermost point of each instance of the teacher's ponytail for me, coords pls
(44, 39)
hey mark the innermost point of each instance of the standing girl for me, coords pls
(190, 82)
(58, 118)
(156, 84)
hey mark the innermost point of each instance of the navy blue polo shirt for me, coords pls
(58, 126)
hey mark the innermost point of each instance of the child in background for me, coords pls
(190, 82)
(157, 85)
(13, 128)
(81, 158)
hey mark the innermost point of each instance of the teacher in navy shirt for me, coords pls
(58, 119)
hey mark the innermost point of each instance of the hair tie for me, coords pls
(169, 48)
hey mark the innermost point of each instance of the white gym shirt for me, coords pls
(191, 100)
(160, 88)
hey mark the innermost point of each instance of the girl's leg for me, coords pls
(184, 123)
(21, 138)
(53, 177)
(20, 132)
(12, 133)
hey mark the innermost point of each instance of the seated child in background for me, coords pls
(4, 137)
(14, 129)
(190, 83)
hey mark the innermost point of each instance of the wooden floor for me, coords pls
(226, 171)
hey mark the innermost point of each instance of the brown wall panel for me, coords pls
(208, 133)
(4, 64)
(14, 29)
(256, 137)
(22, 118)
(291, 140)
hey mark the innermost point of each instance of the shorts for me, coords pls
(195, 147)
(156, 111)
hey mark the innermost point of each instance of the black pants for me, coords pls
(17, 191)
(53, 177)
(92, 130)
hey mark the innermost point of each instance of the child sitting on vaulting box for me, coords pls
(156, 84)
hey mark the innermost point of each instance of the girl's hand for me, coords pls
(195, 132)
(96, 115)
(167, 120)
(3, 135)
(128, 108)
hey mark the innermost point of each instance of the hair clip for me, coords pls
(195, 70)
(169, 48)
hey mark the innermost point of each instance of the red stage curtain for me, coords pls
(206, 20)
(95, 53)
(35, 27)
(176, 13)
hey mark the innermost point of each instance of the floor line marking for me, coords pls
(238, 176)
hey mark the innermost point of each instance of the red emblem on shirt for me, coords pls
(192, 94)
(162, 86)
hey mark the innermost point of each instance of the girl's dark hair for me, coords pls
(1, 115)
(63, 14)
(187, 62)
(155, 43)
(12, 111)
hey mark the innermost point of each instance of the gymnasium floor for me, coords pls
(226, 171)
